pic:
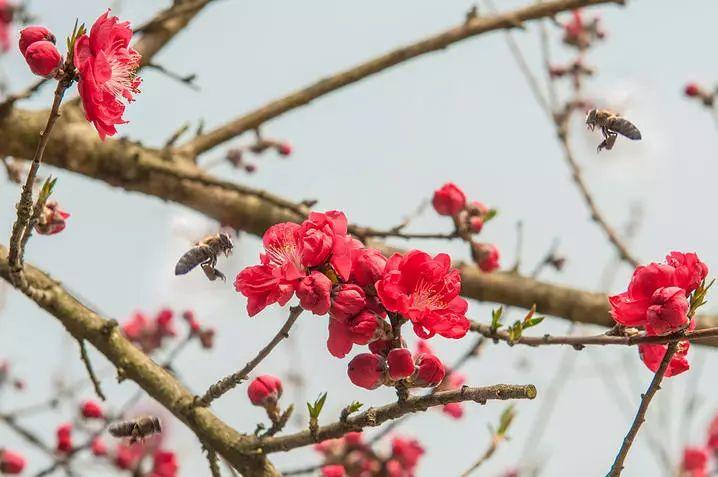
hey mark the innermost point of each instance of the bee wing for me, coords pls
(190, 259)
(626, 128)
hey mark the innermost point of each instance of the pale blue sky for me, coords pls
(375, 150)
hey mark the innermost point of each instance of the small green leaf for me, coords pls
(490, 215)
(533, 322)
(316, 408)
(507, 417)
(354, 407)
(496, 318)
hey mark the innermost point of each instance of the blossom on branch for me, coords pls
(11, 463)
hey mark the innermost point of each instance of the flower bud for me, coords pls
(348, 299)
(401, 363)
(98, 447)
(265, 390)
(363, 327)
(449, 200)
(284, 149)
(64, 438)
(367, 266)
(476, 224)
(334, 470)
(164, 323)
(11, 463)
(313, 293)
(486, 256)
(91, 410)
(367, 370)
(32, 34)
(692, 90)
(191, 319)
(695, 461)
(668, 311)
(453, 409)
(52, 220)
(43, 58)
(430, 371)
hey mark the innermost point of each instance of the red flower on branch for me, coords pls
(652, 355)
(11, 463)
(449, 200)
(31, 34)
(695, 462)
(264, 390)
(43, 58)
(107, 66)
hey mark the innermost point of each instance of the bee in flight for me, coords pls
(205, 253)
(611, 125)
(136, 429)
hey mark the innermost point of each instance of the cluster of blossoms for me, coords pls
(367, 296)
(149, 334)
(705, 96)
(657, 300)
(581, 33)
(696, 459)
(11, 463)
(350, 456)
(237, 156)
(105, 63)
(469, 219)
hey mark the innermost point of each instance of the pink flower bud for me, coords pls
(52, 220)
(668, 311)
(692, 90)
(98, 447)
(43, 58)
(164, 464)
(401, 363)
(32, 34)
(449, 200)
(284, 149)
(165, 327)
(334, 470)
(313, 293)
(64, 438)
(380, 347)
(348, 299)
(430, 371)
(91, 410)
(453, 409)
(695, 461)
(407, 452)
(191, 319)
(367, 266)
(363, 327)
(11, 463)
(264, 390)
(486, 256)
(367, 370)
(476, 224)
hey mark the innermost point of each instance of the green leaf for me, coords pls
(533, 322)
(496, 318)
(507, 417)
(354, 407)
(316, 409)
(490, 215)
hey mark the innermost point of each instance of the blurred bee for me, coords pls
(136, 429)
(611, 125)
(204, 253)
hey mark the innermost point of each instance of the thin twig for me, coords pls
(490, 450)
(187, 80)
(227, 383)
(88, 366)
(640, 418)
(172, 12)
(213, 462)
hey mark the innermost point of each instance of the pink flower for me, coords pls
(313, 292)
(453, 409)
(367, 370)
(690, 271)
(43, 58)
(11, 463)
(31, 34)
(449, 200)
(359, 329)
(284, 149)
(426, 291)
(265, 390)
(164, 464)
(407, 452)
(367, 266)
(692, 90)
(64, 438)
(273, 281)
(53, 219)
(430, 371)
(348, 299)
(107, 66)
(668, 311)
(652, 355)
(163, 321)
(91, 410)
(486, 256)
(127, 457)
(401, 363)
(334, 470)
(630, 308)
(323, 238)
(98, 447)
(695, 462)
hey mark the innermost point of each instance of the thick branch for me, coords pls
(473, 27)
(375, 416)
(84, 324)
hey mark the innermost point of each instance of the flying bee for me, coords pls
(611, 125)
(205, 253)
(136, 429)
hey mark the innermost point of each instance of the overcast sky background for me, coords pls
(375, 150)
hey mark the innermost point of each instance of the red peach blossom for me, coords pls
(164, 322)
(107, 66)
(430, 371)
(323, 237)
(91, 410)
(453, 409)
(426, 291)
(98, 447)
(7, 12)
(668, 311)
(347, 300)
(33, 33)
(11, 463)
(367, 266)
(486, 256)
(313, 293)
(367, 370)
(127, 457)
(630, 308)
(692, 90)
(334, 470)
(695, 462)
(652, 355)
(43, 58)
(406, 451)
(164, 464)
(363, 327)
(284, 149)
(64, 438)
(449, 200)
(264, 390)
(401, 363)
(690, 271)
(476, 224)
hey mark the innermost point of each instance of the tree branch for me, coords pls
(375, 416)
(473, 27)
